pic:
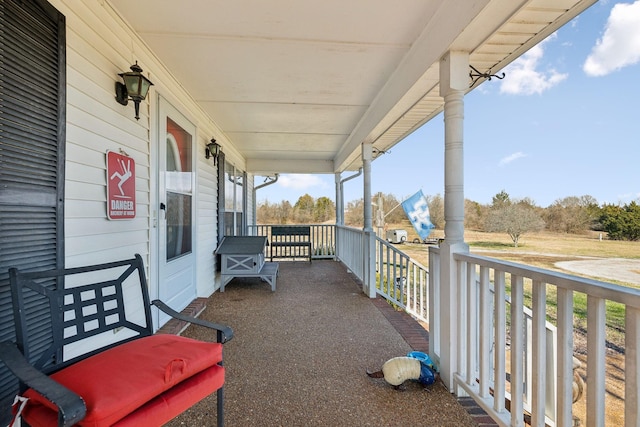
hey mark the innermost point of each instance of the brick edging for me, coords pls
(175, 326)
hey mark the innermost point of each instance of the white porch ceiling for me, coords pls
(297, 86)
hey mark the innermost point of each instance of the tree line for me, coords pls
(515, 217)
(306, 210)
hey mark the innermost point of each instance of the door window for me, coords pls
(178, 179)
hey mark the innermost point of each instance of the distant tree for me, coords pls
(527, 202)
(265, 212)
(354, 213)
(436, 210)
(621, 222)
(324, 210)
(571, 214)
(393, 212)
(593, 210)
(274, 213)
(633, 221)
(303, 210)
(284, 213)
(500, 200)
(514, 219)
(475, 215)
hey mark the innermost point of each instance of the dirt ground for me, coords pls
(618, 269)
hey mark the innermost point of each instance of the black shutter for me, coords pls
(221, 200)
(32, 141)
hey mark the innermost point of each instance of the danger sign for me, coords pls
(121, 186)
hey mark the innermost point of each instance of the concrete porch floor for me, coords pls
(299, 356)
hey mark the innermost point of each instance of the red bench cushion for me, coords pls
(116, 382)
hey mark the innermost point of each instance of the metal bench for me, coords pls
(290, 241)
(85, 351)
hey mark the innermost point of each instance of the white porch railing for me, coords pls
(483, 327)
(401, 280)
(350, 249)
(323, 238)
(398, 278)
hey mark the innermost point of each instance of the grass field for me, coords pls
(538, 248)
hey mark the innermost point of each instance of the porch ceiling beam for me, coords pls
(423, 53)
(271, 166)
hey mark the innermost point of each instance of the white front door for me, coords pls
(176, 225)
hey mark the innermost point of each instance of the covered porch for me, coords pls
(300, 355)
(527, 378)
(291, 90)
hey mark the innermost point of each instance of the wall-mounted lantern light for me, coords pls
(135, 87)
(212, 150)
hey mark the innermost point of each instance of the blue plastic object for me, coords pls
(427, 370)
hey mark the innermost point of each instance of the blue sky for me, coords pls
(564, 122)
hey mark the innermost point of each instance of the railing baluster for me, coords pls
(538, 369)
(517, 351)
(423, 294)
(391, 290)
(472, 325)
(485, 332)
(500, 341)
(405, 298)
(631, 364)
(564, 416)
(381, 270)
(394, 268)
(595, 361)
(433, 293)
(463, 331)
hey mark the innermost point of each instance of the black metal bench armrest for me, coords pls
(71, 407)
(225, 333)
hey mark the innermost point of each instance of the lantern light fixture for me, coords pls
(135, 87)
(212, 150)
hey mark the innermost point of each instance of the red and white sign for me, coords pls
(121, 186)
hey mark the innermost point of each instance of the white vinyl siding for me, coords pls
(206, 220)
(99, 46)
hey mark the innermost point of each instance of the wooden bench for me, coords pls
(85, 352)
(290, 241)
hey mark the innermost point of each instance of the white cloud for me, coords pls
(523, 76)
(620, 43)
(628, 197)
(301, 181)
(511, 158)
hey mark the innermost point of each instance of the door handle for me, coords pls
(163, 207)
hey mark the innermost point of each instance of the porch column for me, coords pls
(454, 80)
(339, 200)
(367, 158)
(369, 281)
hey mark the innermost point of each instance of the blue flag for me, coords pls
(417, 211)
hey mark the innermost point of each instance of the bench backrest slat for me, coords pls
(296, 230)
(110, 300)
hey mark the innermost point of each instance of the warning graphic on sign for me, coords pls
(121, 186)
